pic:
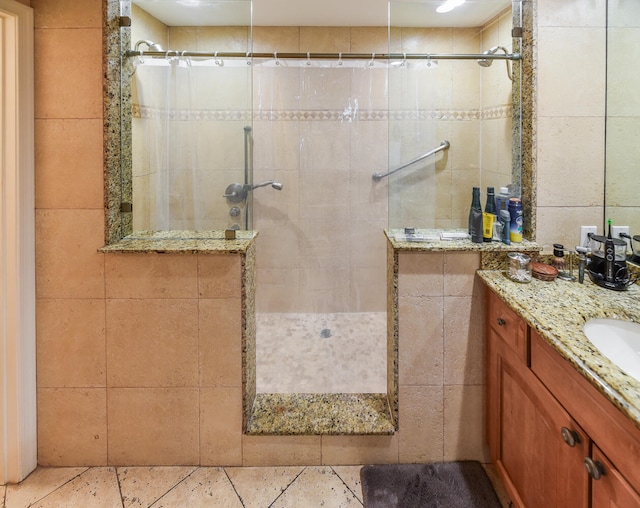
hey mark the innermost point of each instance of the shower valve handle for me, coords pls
(235, 193)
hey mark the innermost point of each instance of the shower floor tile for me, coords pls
(321, 353)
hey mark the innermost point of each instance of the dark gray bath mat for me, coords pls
(440, 485)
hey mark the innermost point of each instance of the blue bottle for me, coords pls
(502, 200)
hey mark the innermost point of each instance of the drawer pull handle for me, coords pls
(571, 437)
(594, 468)
(501, 322)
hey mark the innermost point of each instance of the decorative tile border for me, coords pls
(146, 112)
(492, 113)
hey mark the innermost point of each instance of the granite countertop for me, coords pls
(558, 311)
(182, 242)
(430, 240)
(320, 413)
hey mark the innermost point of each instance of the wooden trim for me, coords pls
(18, 431)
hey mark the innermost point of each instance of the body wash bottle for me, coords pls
(515, 212)
(489, 216)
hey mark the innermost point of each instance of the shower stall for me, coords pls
(320, 153)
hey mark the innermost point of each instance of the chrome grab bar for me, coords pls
(248, 166)
(443, 146)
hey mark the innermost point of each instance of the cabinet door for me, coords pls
(539, 468)
(611, 490)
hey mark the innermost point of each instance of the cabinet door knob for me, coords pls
(571, 437)
(501, 322)
(594, 468)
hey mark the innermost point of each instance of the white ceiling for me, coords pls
(320, 12)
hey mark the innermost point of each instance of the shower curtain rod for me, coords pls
(328, 56)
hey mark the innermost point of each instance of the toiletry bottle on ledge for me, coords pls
(489, 216)
(502, 200)
(505, 220)
(475, 217)
(515, 212)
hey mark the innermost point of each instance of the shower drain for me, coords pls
(325, 333)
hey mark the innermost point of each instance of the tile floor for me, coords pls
(193, 487)
(157, 487)
(314, 353)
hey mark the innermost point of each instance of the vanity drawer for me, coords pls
(510, 327)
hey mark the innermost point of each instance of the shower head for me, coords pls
(150, 44)
(273, 183)
(486, 62)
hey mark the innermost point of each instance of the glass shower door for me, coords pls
(321, 130)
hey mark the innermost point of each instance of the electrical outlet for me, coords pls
(616, 230)
(584, 231)
(615, 233)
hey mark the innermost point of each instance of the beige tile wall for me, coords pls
(175, 416)
(70, 294)
(441, 357)
(570, 129)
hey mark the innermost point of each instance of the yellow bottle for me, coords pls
(487, 226)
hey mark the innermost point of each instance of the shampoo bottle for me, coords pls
(475, 217)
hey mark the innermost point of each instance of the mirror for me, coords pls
(622, 197)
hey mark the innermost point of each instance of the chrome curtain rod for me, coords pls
(327, 56)
(444, 145)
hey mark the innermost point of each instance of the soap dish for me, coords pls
(544, 272)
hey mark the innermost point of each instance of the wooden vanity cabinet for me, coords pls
(526, 425)
(545, 422)
(616, 440)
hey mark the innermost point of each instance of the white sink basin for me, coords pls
(618, 340)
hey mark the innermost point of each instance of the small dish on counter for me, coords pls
(544, 272)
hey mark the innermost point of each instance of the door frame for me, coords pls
(18, 425)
